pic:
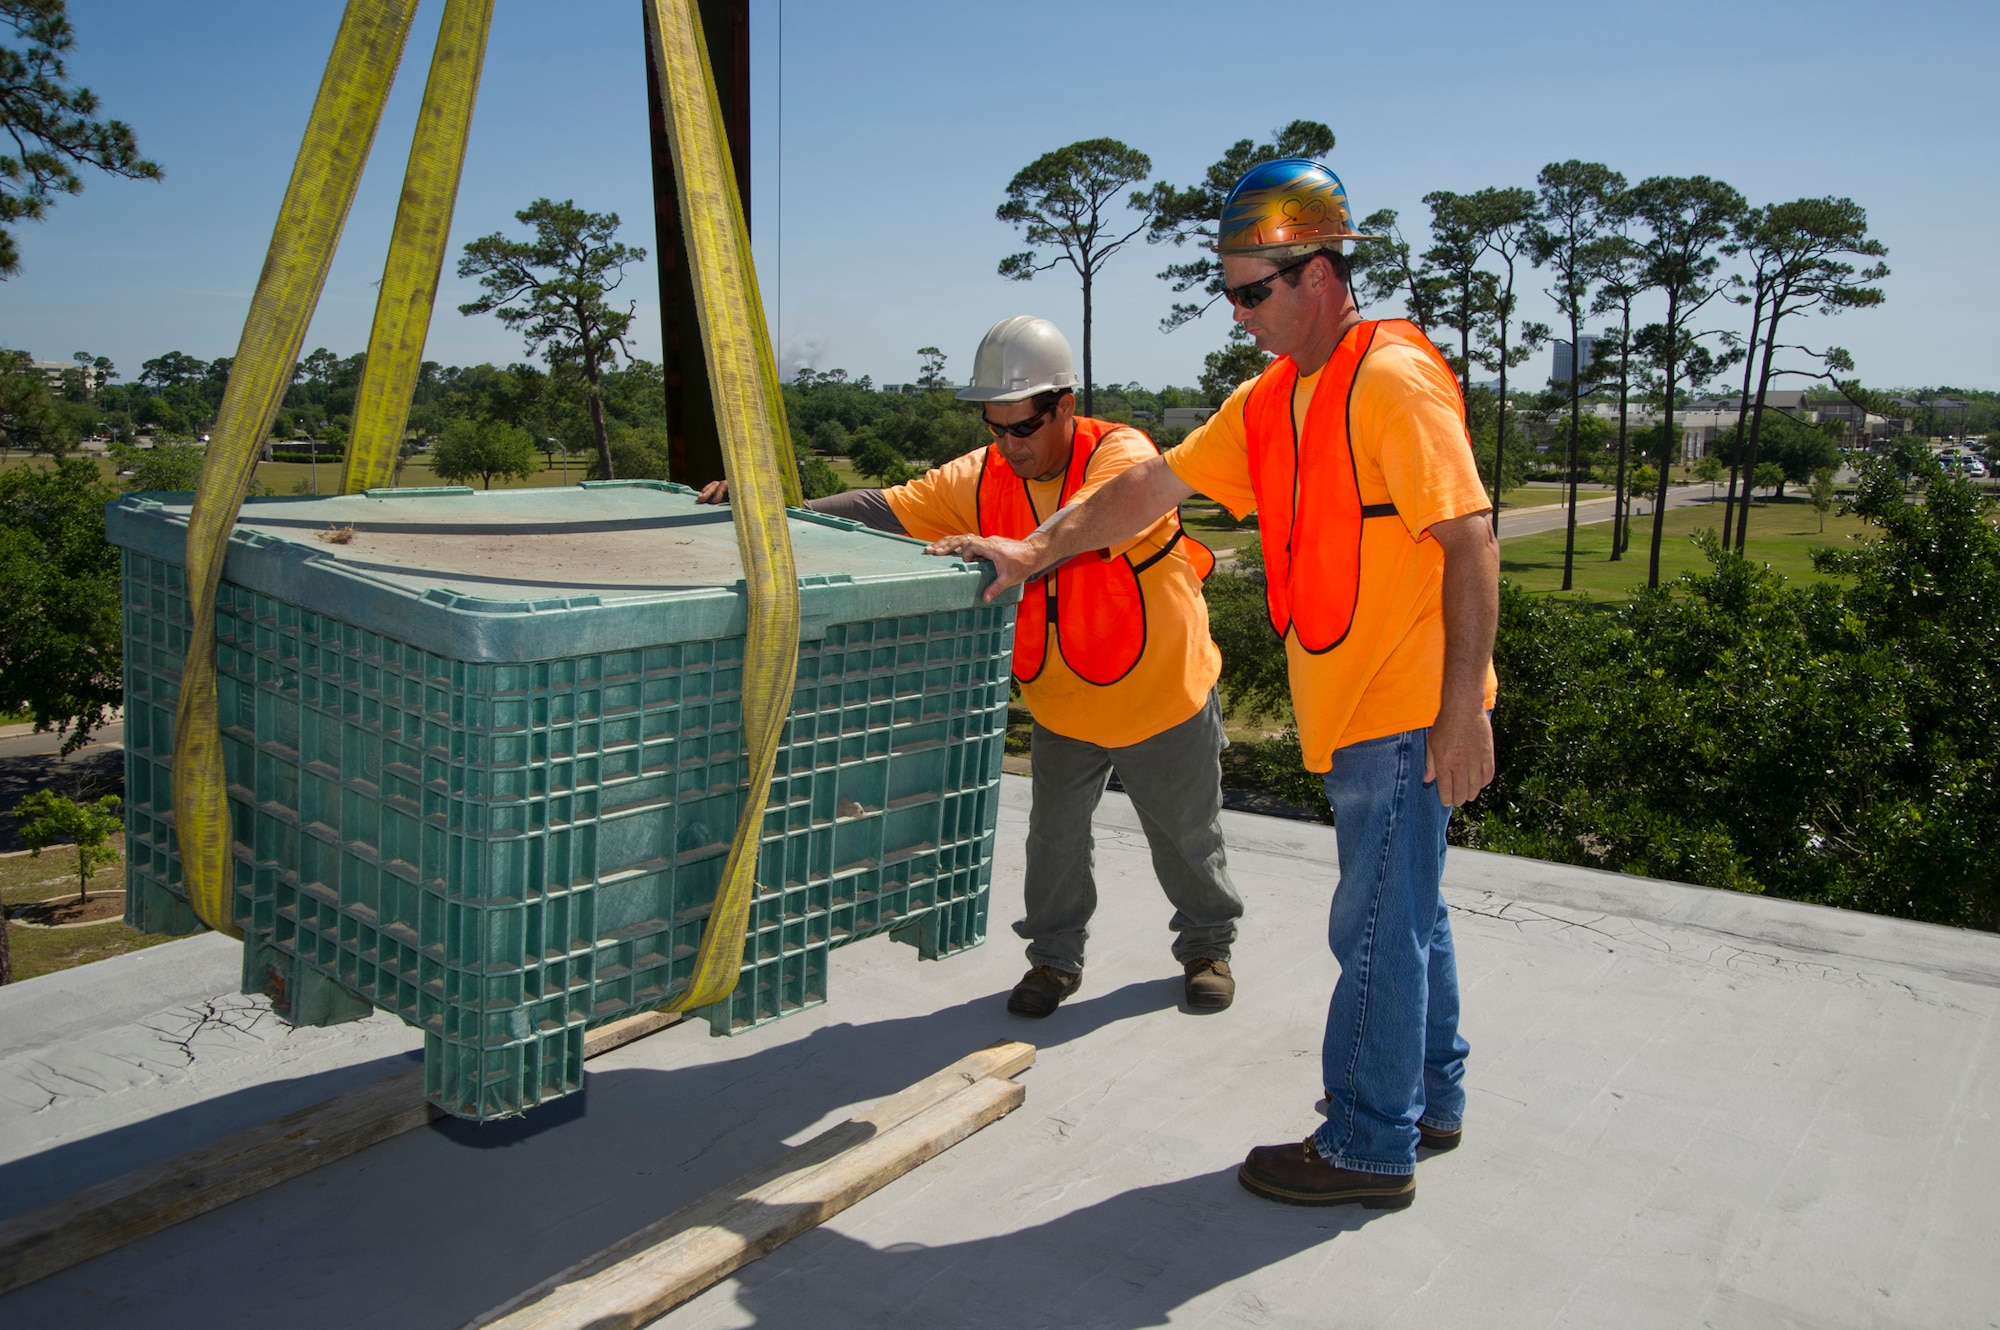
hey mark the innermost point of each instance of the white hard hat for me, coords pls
(1018, 358)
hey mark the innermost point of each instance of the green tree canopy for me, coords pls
(553, 290)
(29, 419)
(1191, 214)
(1062, 202)
(53, 124)
(1566, 235)
(1237, 362)
(485, 449)
(61, 657)
(1685, 225)
(47, 818)
(163, 468)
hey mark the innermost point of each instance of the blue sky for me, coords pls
(884, 148)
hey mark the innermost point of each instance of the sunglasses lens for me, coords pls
(1020, 429)
(1250, 294)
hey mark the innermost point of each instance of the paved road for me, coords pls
(30, 762)
(22, 741)
(1536, 520)
(1533, 521)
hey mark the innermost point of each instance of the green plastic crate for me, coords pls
(484, 760)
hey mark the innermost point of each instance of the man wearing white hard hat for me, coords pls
(1113, 656)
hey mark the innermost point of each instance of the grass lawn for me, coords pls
(1783, 534)
(42, 890)
(1545, 496)
(1211, 524)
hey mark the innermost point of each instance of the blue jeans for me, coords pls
(1393, 1055)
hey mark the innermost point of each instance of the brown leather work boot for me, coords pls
(1296, 1175)
(1210, 987)
(1042, 990)
(1433, 1139)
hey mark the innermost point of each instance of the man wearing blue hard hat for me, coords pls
(1382, 578)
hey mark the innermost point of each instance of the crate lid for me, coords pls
(534, 574)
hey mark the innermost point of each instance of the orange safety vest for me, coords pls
(1309, 509)
(1097, 606)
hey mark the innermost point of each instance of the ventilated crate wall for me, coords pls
(505, 854)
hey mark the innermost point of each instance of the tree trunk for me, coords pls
(1757, 415)
(1666, 447)
(1619, 532)
(1500, 429)
(1575, 427)
(1465, 369)
(1742, 415)
(597, 426)
(1087, 402)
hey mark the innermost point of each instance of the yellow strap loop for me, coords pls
(756, 455)
(416, 248)
(757, 452)
(344, 118)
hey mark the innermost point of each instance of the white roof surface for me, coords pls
(1688, 1108)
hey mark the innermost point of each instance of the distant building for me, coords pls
(1559, 369)
(913, 389)
(1700, 428)
(1636, 416)
(1185, 417)
(1791, 401)
(1857, 424)
(52, 372)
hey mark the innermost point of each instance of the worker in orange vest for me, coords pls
(1112, 653)
(1382, 578)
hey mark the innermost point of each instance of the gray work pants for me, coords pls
(1174, 780)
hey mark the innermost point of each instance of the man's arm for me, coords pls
(865, 506)
(1127, 505)
(1459, 753)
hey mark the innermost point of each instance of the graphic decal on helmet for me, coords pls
(1290, 202)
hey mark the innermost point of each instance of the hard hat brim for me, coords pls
(1317, 242)
(1011, 394)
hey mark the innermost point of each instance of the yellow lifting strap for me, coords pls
(338, 134)
(756, 455)
(416, 247)
(757, 452)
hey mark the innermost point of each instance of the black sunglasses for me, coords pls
(1020, 429)
(1252, 294)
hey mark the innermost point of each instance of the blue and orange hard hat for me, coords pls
(1290, 204)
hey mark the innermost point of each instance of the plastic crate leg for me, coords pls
(299, 993)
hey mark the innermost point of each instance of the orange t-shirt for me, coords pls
(1178, 668)
(1409, 449)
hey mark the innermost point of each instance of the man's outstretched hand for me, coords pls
(715, 491)
(1014, 561)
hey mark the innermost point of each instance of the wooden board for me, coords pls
(649, 1273)
(123, 1209)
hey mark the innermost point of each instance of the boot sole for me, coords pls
(1210, 1004)
(1398, 1199)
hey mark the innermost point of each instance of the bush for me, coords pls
(816, 478)
(1254, 681)
(1837, 744)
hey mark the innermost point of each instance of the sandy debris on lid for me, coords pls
(632, 558)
